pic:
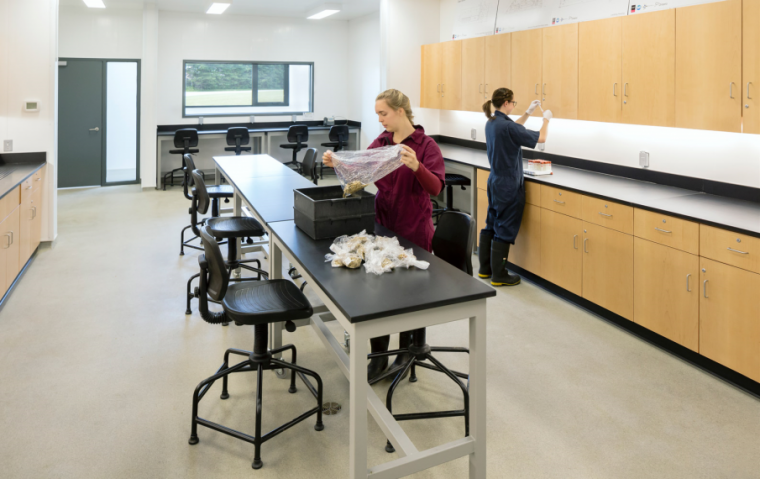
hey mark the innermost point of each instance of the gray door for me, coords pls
(80, 123)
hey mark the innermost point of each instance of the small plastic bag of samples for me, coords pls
(357, 169)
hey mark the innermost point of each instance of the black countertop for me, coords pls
(15, 168)
(361, 296)
(264, 127)
(736, 215)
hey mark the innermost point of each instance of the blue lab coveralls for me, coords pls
(506, 190)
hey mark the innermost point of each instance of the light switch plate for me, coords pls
(644, 159)
(473, 133)
(8, 145)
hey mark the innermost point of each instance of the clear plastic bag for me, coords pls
(379, 253)
(357, 169)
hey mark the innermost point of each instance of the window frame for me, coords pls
(254, 91)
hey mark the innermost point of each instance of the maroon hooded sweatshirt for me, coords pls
(403, 203)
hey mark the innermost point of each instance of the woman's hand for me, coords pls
(327, 159)
(409, 158)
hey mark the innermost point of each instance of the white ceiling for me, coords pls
(270, 8)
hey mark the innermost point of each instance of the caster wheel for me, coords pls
(193, 440)
(389, 449)
(319, 427)
(257, 464)
(224, 396)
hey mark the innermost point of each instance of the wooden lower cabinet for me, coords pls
(36, 226)
(482, 212)
(561, 259)
(729, 317)
(526, 252)
(9, 250)
(666, 291)
(608, 269)
(25, 229)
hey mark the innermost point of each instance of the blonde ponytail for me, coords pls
(395, 99)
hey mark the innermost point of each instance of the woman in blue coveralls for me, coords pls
(506, 191)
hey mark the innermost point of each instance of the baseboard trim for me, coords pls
(715, 369)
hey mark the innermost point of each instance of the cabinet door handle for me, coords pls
(625, 89)
(585, 250)
(704, 288)
(9, 240)
(38, 179)
(574, 238)
(543, 89)
(560, 202)
(664, 231)
(737, 251)
(688, 289)
(605, 214)
(442, 85)
(29, 187)
(485, 90)
(12, 238)
(731, 89)
(614, 89)
(536, 89)
(748, 84)
(34, 210)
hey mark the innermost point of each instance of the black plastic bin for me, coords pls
(322, 212)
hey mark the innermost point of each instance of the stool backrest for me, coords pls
(339, 133)
(200, 192)
(238, 136)
(189, 166)
(309, 164)
(298, 134)
(186, 138)
(453, 239)
(218, 276)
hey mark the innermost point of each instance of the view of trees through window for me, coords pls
(232, 84)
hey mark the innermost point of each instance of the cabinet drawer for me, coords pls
(561, 201)
(608, 214)
(483, 179)
(736, 249)
(532, 193)
(666, 230)
(9, 202)
(38, 178)
(26, 188)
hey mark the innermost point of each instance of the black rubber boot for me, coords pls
(376, 366)
(404, 340)
(500, 276)
(484, 254)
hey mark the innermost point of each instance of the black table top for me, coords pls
(361, 296)
(250, 130)
(719, 211)
(272, 197)
(13, 174)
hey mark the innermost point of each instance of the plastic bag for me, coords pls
(379, 253)
(357, 169)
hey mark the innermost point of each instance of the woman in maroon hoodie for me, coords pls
(403, 202)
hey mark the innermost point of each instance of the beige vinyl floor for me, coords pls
(99, 362)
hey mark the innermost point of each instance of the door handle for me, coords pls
(688, 289)
(536, 89)
(664, 231)
(485, 90)
(95, 129)
(442, 84)
(560, 202)
(585, 250)
(748, 84)
(605, 214)
(731, 89)
(625, 89)
(9, 240)
(614, 89)
(704, 288)
(34, 210)
(543, 89)
(12, 238)
(737, 251)
(574, 238)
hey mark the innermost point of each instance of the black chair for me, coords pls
(251, 304)
(215, 192)
(185, 140)
(309, 165)
(298, 135)
(338, 140)
(229, 228)
(452, 180)
(238, 137)
(452, 242)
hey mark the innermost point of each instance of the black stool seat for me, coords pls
(235, 148)
(453, 179)
(184, 152)
(220, 191)
(234, 227)
(263, 302)
(289, 146)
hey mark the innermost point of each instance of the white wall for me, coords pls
(728, 157)
(28, 71)
(100, 33)
(364, 74)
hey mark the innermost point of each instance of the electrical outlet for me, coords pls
(474, 133)
(8, 145)
(644, 159)
(541, 146)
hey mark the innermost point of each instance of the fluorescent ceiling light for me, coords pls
(94, 3)
(324, 11)
(217, 8)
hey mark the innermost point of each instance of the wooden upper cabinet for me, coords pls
(751, 66)
(451, 77)
(431, 76)
(498, 62)
(526, 68)
(649, 68)
(600, 88)
(560, 71)
(473, 73)
(709, 66)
